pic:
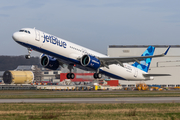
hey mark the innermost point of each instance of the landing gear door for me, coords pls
(37, 35)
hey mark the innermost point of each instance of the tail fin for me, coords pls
(144, 64)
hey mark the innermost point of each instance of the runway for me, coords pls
(96, 100)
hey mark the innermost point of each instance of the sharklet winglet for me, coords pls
(167, 50)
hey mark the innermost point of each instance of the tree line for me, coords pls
(12, 62)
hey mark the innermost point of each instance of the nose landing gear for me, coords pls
(29, 54)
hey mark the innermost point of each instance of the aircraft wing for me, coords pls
(105, 61)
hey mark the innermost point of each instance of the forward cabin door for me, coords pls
(38, 39)
(37, 35)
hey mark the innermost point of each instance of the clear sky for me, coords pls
(94, 24)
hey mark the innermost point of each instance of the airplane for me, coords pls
(57, 52)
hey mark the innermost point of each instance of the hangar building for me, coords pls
(170, 64)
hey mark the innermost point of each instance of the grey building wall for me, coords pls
(169, 64)
(1, 75)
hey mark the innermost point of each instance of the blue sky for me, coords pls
(94, 24)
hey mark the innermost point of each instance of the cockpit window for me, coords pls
(21, 30)
(25, 31)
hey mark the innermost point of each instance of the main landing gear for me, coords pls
(97, 75)
(70, 75)
(29, 54)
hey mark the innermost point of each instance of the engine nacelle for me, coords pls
(90, 61)
(49, 62)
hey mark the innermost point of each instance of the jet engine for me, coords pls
(49, 62)
(90, 61)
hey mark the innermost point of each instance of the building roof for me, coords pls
(142, 46)
(25, 67)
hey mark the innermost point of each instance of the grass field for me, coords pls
(24, 111)
(8, 94)
(81, 111)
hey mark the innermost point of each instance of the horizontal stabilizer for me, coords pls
(151, 75)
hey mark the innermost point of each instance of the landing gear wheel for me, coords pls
(97, 75)
(27, 56)
(70, 76)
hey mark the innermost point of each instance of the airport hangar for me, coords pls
(169, 64)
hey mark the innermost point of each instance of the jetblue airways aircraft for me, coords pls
(57, 52)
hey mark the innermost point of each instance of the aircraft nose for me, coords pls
(16, 36)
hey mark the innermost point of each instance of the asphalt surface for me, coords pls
(96, 100)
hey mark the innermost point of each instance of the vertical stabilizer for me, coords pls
(144, 64)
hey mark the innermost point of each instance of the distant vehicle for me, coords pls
(57, 52)
(142, 86)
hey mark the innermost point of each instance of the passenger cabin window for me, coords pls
(25, 31)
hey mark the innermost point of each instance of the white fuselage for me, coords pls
(68, 52)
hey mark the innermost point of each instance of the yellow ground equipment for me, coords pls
(177, 87)
(142, 86)
(155, 88)
(18, 77)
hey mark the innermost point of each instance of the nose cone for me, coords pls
(16, 36)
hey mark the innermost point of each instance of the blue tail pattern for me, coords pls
(144, 64)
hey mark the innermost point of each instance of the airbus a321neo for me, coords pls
(57, 51)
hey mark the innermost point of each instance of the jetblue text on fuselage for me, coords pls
(54, 40)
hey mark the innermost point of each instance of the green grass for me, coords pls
(8, 94)
(74, 111)
(81, 111)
